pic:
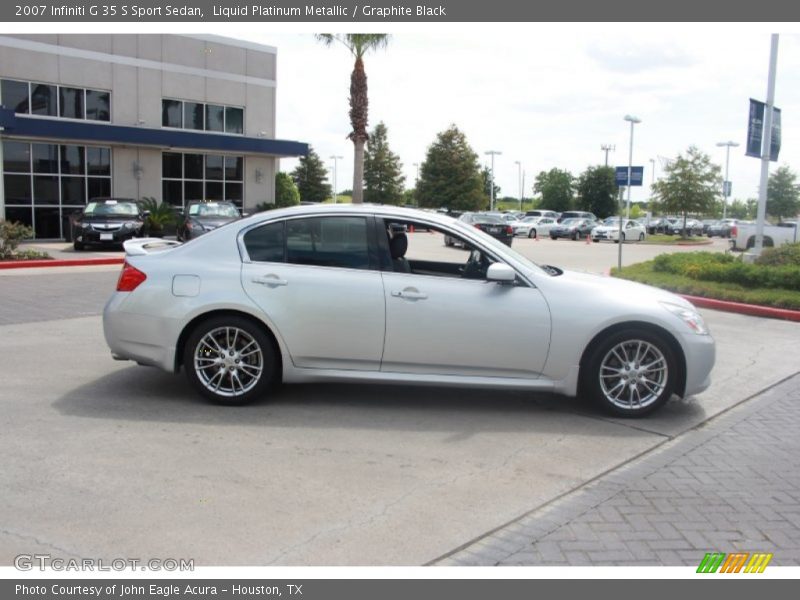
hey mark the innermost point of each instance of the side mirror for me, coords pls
(245, 214)
(500, 273)
(145, 213)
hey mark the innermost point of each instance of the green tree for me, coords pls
(783, 193)
(311, 177)
(738, 210)
(690, 185)
(358, 44)
(486, 176)
(597, 191)
(450, 176)
(383, 178)
(286, 192)
(557, 189)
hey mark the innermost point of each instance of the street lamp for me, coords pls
(608, 148)
(519, 182)
(726, 185)
(633, 121)
(653, 172)
(335, 195)
(492, 153)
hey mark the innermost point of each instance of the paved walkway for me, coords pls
(732, 484)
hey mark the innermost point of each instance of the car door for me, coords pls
(459, 326)
(317, 281)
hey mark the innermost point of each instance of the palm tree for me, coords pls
(358, 44)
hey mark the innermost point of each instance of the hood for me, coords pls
(622, 289)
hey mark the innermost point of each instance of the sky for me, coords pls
(546, 95)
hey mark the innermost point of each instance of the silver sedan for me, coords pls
(351, 293)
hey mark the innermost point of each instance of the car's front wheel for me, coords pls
(632, 373)
(532, 233)
(230, 360)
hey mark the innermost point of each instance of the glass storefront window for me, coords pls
(71, 102)
(171, 113)
(193, 115)
(44, 100)
(98, 105)
(45, 182)
(193, 166)
(204, 177)
(214, 165)
(215, 118)
(15, 95)
(234, 120)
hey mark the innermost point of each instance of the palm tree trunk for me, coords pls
(358, 171)
(358, 119)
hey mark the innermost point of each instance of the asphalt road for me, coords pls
(108, 459)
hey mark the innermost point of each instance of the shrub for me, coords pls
(11, 234)
(787, 254)
(159, 215)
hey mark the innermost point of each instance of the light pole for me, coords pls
(335, 195)
(726, 185)
(653, 172)
(766, 146)
(607, 148)
(519, 182)
(633, 121)
(492, 153)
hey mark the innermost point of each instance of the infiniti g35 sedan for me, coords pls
(367, 293)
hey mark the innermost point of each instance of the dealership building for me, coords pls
(172, 117)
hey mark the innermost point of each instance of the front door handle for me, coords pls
(270, 280)
(410, 294)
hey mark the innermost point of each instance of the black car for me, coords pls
(200, 217)
(107, 222)
(495, 226)
(721, 228)
(576, 214)
(572, 229)
(660, 225)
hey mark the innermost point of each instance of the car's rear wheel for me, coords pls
(641, 237)
(78, 246)
(230, 360)
(632, 373)
(532, 233)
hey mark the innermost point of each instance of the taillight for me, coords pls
(734, 231)
(130, 278)
(477, 225)
(510, 230)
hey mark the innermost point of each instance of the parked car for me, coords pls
(491, 224)
(609, 230)
(201, 217)
(534, 226)
(325, 293)
(576, 214)
(659, 225)
(572, 229)
(693, 226)
(721, 228)
(107, 222)
(543, 213)
(708, 223)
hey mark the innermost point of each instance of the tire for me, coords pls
(641, 237)
(575, 237)
(554, 238)
(532, 233)
(230, 360)
(596, 240)
(78, 246)
(606, 375)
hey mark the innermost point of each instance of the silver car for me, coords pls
(369, 293)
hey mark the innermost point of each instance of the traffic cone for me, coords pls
(411, 228)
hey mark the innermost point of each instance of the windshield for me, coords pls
(571, 221)
(487, 219)
(213, 209)
(611, 221)
(121, 209)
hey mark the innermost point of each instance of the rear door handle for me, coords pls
(270, 280)
(410, 294)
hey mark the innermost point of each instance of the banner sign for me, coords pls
(621, 175)
(755, 131)
(726, 189)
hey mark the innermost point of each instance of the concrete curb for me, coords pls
(754, 310)
(78, 262)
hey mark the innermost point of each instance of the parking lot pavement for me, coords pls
(730, 486)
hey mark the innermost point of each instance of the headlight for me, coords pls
(689, 316)
(130, 225)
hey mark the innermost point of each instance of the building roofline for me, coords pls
(229, 41)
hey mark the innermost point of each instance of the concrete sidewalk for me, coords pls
(731, 484)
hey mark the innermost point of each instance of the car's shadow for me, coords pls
(144, 394)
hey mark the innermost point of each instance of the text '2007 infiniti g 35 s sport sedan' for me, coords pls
(370, 293)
